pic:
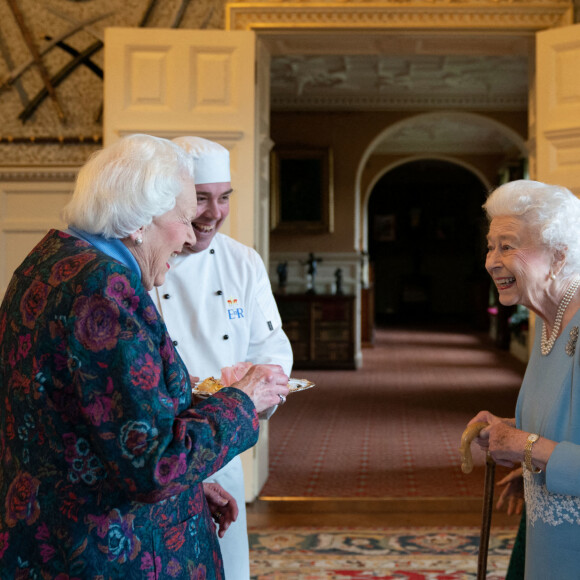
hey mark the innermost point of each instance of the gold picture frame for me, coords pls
(302, 193)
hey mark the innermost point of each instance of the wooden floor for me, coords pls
(372, 513)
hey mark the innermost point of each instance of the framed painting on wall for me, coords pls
(385, 228)
(302, 190)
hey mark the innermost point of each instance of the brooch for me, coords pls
(571, 345)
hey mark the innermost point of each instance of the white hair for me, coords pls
(124, 186)
(553, 211)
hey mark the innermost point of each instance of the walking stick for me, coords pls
(466, 466)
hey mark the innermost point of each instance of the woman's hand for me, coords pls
(483, 439)
(513, 492)
(222, 505)
(266, 385)
(504, 442)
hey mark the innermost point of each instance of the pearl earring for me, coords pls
(138, 241)
(553, 276)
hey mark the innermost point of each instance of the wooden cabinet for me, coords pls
(320, 328)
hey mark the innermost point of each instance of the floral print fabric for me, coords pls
(101, 453)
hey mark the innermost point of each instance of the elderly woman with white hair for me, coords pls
(102, 453)
(534, 259)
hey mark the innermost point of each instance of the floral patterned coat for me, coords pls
(101, 453)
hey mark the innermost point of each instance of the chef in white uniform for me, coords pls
(219, 308)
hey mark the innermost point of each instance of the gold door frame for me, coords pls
(450, 15)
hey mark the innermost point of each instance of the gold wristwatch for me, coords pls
(532, 438)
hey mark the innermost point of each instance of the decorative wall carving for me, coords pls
(69, 39)
(38, 174)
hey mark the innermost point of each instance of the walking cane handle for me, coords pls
(470, 433)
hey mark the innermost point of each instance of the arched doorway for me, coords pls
(426, 244)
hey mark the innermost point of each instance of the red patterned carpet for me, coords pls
(444, 553)
(393, 427)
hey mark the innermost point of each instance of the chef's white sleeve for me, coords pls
(268, 341)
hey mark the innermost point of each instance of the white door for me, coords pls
(190, 82)
(554, 113)
(557, 116)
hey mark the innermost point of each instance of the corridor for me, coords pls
(392, 429)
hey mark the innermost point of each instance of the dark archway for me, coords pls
(426, 244)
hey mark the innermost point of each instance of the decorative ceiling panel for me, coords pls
(447, 133)
(414, 81)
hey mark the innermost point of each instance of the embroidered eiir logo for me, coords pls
(234, 311)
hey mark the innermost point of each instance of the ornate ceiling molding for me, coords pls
(413, 102)
(39, 174)
(393, 14)
(229, 136)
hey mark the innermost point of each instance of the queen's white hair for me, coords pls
(551, 210)
(124, 186)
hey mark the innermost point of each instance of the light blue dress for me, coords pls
(549, 404)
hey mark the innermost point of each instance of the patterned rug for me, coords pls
(445, 553)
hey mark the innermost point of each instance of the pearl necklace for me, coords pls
(548, 343)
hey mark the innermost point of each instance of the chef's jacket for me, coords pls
(219, 308)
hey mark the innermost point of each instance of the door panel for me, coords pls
(198, 82)
(188, 82)
(558, 107)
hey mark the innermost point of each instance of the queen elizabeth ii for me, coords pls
(534, 259)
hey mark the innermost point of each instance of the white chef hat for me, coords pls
(211, 160)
